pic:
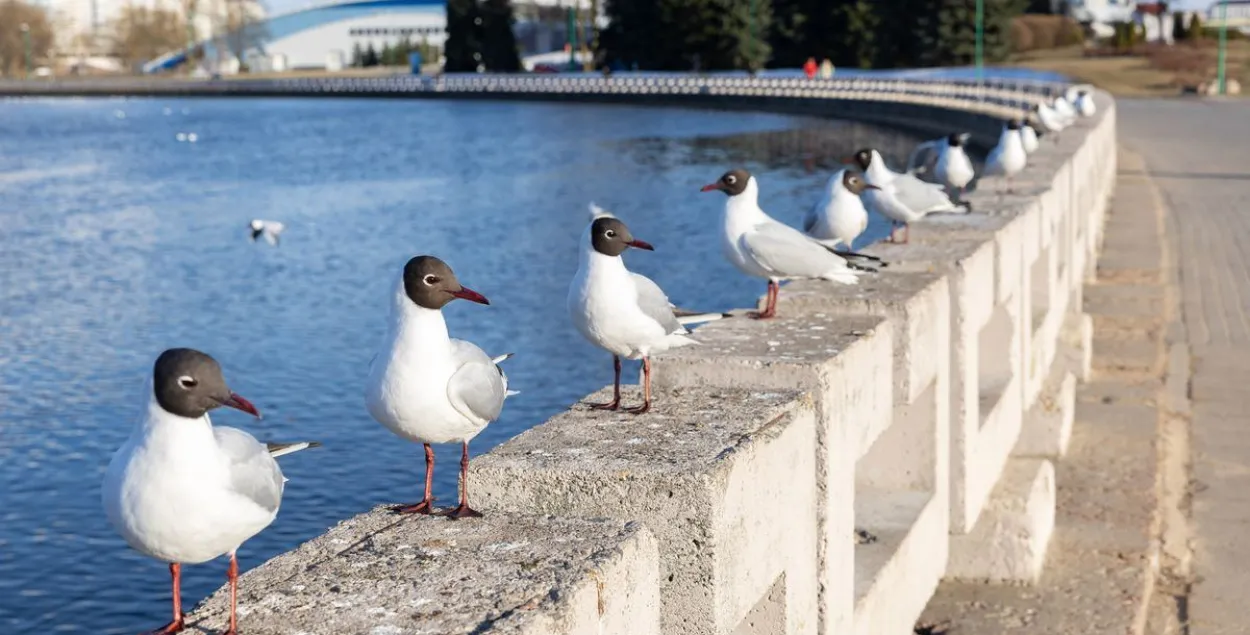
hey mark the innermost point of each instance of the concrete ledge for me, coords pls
(1008, 543)
(725, 478)
(383, 573)
(1077, 351)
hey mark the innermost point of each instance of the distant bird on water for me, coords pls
(270, 230)
(184, 491)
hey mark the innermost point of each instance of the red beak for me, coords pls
(239, 403)
(848, 160)
(711, 187)
(466, 293)
(641, 245)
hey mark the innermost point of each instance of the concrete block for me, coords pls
(725, 478)
(915, 303)
(1077, 345)
(384, 573)
(1048, 424)
(1008, 543)
(898, 570)
(847, 365)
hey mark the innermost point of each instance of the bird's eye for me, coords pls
(431, 279)
(187, 382)
(731, 179)
(611, 233)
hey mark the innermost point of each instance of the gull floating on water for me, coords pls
(427, 387)
(270, 230)
(184, 491)
(902, 198)
(764, 248)
(621, 312)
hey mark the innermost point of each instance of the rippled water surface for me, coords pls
(118, 241)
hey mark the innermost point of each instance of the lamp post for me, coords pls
(25, 28)
(980, 45)
(1220, 76)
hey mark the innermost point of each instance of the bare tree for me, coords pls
(141, 34)
(242, 28)
(16, 42)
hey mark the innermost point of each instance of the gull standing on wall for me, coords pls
(946, 159)
(1007, 158)
(902, 198)
(839, 217)
(1051, 121)
(1085, 103)
(184, 491)
(1028, 136)
(621, 312)
(762, 247)
(427, 387)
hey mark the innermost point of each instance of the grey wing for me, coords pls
(656, 305)
(813, 214)
(788, 253)
(924, 156)
(920, 196)
(253, 473)
(478, 387)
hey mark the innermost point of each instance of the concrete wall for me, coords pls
(816, 473)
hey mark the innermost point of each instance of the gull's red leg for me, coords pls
(175, 573)
(427, 504)
(770, 303)
(616, 389)
(646, 389)
(464, 511)
(232, 574)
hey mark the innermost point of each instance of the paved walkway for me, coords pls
(1198, 155)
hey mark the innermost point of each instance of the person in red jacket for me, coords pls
(809, 68)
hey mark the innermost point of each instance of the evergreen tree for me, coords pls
(638, 34)
(370, 57)
(463, 49)
(358, 56)
(792, 32)
(499, 47)
(859, 21)
(387, 56)
(944, 32)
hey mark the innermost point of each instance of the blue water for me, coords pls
(118, 241)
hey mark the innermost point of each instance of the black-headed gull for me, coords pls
(946, 159)
(902, 198)
(1051, 121)
(839, 217)
(1029, 137)
(1007, 158)
(185, 492)
(762, 247)
(1085, 103)
(621, 312)
(268, 229)
(427, 387)
(685, 316)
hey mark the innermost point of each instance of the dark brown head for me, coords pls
(862, 158)
(431, 284)
(958, 139)
(1014, 124)
(855, 183)
(732, 183)
(189, 383)
(610, 237)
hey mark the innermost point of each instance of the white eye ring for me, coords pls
(610, 233)
(186, 381)
(429, 279)
(731, 179)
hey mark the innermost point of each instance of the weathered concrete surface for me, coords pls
(1193, 153)
(384, 574)
(726, 478)
(1101, 568)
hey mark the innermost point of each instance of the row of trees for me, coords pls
(479, 37)
(752, 34)
(392, 54)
